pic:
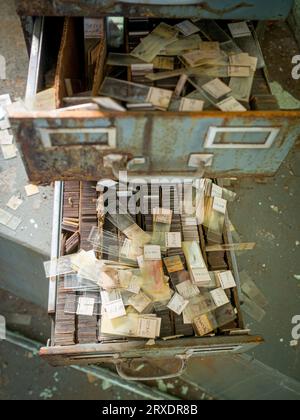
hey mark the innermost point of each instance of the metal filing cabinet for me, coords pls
(59, 146)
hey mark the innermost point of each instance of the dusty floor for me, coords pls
(267, 214)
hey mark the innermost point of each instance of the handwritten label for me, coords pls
(187, 289)
(85, 306)
(161, 215)
(227, 280)
(115, 309)
(152, 253)
(173, 240)
(216, 191)
(220, 205)
(159, 98)
(6, 138)
(203, 325)
(174, 264)
(93, 28)
(219, 297)
(231, 105)
(216, 88)
(148, 327)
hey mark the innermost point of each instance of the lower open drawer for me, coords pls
(76, 201)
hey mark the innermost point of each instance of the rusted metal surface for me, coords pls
(209, 9)
(85, 354)
(166, 139)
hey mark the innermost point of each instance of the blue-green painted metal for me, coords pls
(207, 9)
(166, 139)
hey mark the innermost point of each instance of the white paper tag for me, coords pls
(85, 306)
(6, 138)
(191, 105)
(14, 203)
(134, 285)
(187, 289)
(31, 190)
(159, 98)
(200, 276)
(140, 302)
(177, 304)
(92, 28)
(239, 29)
(140, 261)
(216, 88)
(187, 28)
(190, 221)
(220, 205)
(9, 151)
(162, 215)
(219, 297)
(226, 279)
(231, 105)
(152, 252)
(111, 296)
(148, 327)
(216, 191)
(173, 240)
(115, 309)
(125, 250)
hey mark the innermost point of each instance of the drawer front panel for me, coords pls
(185, 348)
(75, 145)
(211, 9)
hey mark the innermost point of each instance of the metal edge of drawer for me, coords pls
(55, 242)
(116, 352)
(35, 58)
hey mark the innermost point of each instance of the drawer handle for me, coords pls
(126, 369)
(120, 166)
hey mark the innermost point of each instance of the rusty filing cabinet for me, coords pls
(58, 146)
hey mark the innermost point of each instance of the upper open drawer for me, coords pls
(92, 144)
(209, 9)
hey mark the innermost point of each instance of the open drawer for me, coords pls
(127, 355)
(61, 145)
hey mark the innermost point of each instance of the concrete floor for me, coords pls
(272, 265)
(275, 260)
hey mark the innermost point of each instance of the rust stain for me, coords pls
(90, 8)
(81, 115)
